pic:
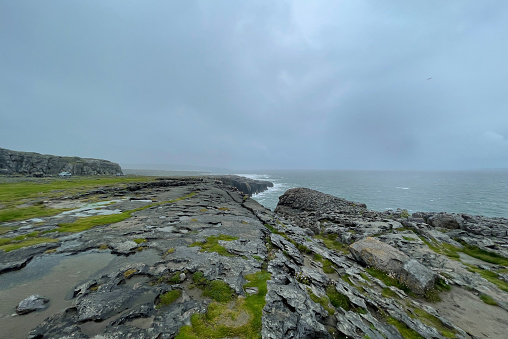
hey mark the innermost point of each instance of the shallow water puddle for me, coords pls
(54, 277)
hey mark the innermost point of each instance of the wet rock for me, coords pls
(390, 260)
(32, 303)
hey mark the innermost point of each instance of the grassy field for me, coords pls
(23, 198)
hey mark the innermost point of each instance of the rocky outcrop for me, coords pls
(32, 303)
(196, 256)
(243, 184)
(307, 208)
(35, 164)
(393, 262)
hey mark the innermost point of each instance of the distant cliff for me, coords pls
(29, 163)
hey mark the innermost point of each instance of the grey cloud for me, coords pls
(258, 84)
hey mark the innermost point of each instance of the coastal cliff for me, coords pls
(196, 257)
(35, 164)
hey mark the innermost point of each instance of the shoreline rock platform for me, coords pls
(198, 254)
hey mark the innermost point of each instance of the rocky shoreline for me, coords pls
(189, 256)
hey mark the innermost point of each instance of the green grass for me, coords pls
(139, 240)
(389, 281)
(81, 224)
(345, 277)
(338, 299)
(12, 195)
(433, 321)
(405, 331)
(218, 290)
(86, 223)
(488, 299)
(273, 229)
(323, 301)
(224, 319)
(12, 245)
(55, 187)
(473, 251)
(24, 213)
(212, 244)
(168, 298)
(388, 293)
(490, 276)
(331, 243)
(483, 255)
(442, 248)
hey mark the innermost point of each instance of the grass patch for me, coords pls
(12, 245)
(488, 299)
(129, 273)
(218, 290)
(483, 255)
(212, 244)
(490, 276)
(338, 299)
(388, 293)
(405, 331)
(139, 240)
(387, 280)
(345, 277)
(169, 251)
(6, 229)
(304, 249)
(274, 230)
(224, 320)
(323, 301)
(332, 244)
(473, 251)
(442, 248)
(86, 223)
(168, 298)
(433, 321)
(24, 213)
(12, 195)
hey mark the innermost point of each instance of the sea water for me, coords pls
(472, 192)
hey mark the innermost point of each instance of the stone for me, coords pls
(33, 303)
(393, 262)
(35, 164)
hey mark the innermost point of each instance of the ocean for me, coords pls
(472, 192)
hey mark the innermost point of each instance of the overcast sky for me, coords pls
(258, 84)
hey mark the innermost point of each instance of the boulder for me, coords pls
(32, 303)
(393, 262)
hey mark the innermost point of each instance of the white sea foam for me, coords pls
(402, 188)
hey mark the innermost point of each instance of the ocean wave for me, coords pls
(402, 188)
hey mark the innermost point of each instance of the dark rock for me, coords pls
(32, 303)
(29, 163)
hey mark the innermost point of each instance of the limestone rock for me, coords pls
(390, 260)
(29, 163)
(32, 303)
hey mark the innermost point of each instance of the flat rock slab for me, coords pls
(390, 260)
(33, 303)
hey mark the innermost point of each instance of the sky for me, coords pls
(258, 85)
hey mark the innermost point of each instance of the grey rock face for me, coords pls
(32, 303)
(390, 260)
(28, 163)
(316, 288)
(243, 184)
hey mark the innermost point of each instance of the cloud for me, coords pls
(257, 84)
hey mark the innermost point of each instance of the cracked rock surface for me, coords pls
(157, 273)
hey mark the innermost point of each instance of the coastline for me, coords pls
(175, 236)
